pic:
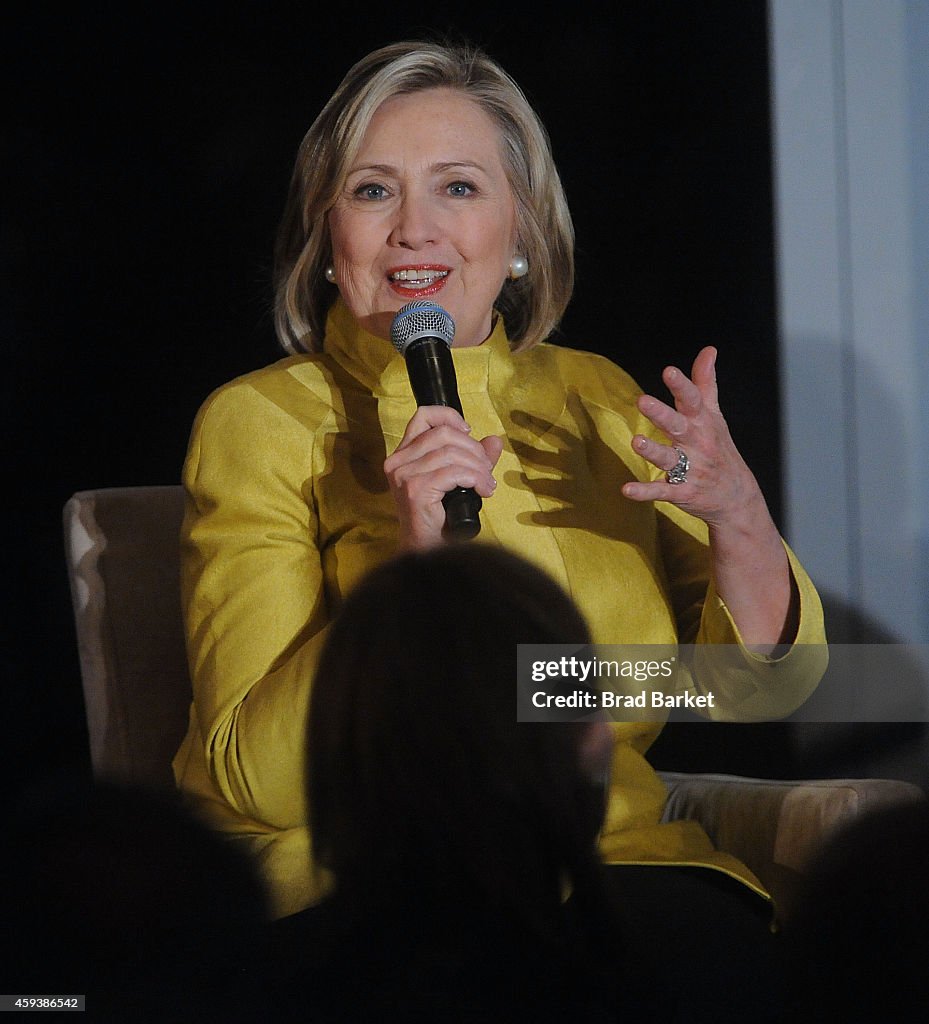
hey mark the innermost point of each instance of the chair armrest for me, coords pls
(775, 827)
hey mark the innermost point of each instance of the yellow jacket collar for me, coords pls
(378, 367)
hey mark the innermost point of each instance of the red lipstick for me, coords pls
(419, 280)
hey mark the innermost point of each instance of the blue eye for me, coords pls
(373, 192)
(460, 188)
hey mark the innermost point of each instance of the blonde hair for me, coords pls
(531, 305)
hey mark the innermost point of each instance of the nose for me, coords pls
(415, 224)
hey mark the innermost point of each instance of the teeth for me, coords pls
(422, 277)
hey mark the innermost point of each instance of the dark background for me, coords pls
(148, 152)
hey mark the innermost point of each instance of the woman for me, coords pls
(452, 830)
(428, 175)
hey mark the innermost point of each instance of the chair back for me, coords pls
(123, 559)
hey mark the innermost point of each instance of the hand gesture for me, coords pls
(706, 476)
(704, 472)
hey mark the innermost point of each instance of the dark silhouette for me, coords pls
(453, 831)
(119, 895)
(860, 935)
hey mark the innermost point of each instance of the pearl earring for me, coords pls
(519, 267)
(330, 274)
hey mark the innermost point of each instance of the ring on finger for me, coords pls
(677, 474)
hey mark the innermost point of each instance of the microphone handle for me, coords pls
(432, 376)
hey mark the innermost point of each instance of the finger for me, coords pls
(428, 416)
(672, 422)
(687, 397)
(430, 478)
(661, 455)
(493, 448)
(442, 436)
(437, 448)
(656, 490)
(704, 375)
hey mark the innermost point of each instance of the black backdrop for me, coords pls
(148, 152)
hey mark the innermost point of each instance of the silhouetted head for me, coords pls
(419, 772)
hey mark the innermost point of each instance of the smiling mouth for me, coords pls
(418, 277)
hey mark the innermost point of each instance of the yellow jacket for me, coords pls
(289, 506)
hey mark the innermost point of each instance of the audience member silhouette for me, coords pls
(119, 895)
(452, 830)
(859, 934)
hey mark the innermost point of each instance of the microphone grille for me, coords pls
(421, 319)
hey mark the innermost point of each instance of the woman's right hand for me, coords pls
(437, 453)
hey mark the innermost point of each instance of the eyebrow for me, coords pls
(438, 168)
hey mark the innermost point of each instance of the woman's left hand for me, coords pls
(719, 487)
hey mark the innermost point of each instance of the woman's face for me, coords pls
(426, 212)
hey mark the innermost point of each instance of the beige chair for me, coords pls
(123, 562)
(121, 546)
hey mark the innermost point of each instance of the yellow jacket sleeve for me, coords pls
(254, 600)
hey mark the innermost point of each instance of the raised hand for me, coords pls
(713, 482)
(716, 486)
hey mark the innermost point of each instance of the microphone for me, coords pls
(422, 333)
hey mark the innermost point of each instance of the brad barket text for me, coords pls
(590, 700)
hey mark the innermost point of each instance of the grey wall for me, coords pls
(850, 113)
